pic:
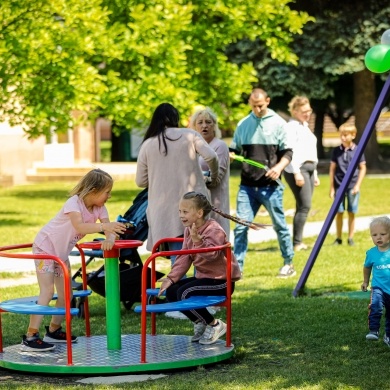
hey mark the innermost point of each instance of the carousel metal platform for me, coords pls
(91, 356)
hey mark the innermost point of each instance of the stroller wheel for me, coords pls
(81, 311)
(128, 304)
(80, 306)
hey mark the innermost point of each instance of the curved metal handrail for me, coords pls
(226, 248)
(67, 289)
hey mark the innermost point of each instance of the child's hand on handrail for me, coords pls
(107, 244)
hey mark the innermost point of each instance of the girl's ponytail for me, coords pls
(252, 225)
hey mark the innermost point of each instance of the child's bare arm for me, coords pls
(88, 228)
(362, 173)
(366, 278)
(332, 170)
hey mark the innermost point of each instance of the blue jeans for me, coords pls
(351, 200)
(379, 301)
(174, 246)
(249, 200)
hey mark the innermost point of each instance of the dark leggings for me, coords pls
(303, 196)
(189, 287)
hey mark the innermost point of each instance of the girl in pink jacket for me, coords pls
(210, 278)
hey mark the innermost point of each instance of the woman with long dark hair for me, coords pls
(168, 164)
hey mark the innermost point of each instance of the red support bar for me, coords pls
(85, 287)
(155, 249)
(113, 317)
(1, 334)
(228, 303)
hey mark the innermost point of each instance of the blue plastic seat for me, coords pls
(194, 302)
(28, 305)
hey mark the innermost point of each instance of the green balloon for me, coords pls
(377, 59)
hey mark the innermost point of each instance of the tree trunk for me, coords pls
(364, 102)
(120, 144)
(318, 132)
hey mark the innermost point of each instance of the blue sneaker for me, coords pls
(35, 344)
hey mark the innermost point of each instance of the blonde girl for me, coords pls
(200, 231)
(78, 217)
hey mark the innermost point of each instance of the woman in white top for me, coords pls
(205, 122)
(301, 173)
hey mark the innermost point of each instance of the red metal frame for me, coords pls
(85, 287)
(227, 304)
(67, 289)
(155, 249)
(113, 320)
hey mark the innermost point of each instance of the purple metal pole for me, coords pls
(340, 193)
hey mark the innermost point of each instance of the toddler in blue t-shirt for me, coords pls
(378, 262)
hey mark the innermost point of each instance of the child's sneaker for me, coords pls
(199, 328)
(287, 271)
(374, 336)
(213, 333)
(386, 340)
(35, 344)
(57, 337)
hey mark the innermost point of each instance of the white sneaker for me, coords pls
(287, 271)
(372, 335)
(213, 333)
(199, 328)
(178, 315)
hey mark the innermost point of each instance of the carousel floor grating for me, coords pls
(90, 355)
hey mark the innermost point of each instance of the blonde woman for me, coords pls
(301, 173)
(205, 122)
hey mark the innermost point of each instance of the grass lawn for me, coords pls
(314, 342)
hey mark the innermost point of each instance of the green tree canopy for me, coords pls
(44, 68)
(331, 70)
(333, 44)
(120, 58)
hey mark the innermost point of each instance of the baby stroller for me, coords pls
(130, 263)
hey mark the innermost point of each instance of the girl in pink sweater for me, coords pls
(210, 277)
(78, 217)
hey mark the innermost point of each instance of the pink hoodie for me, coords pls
(208, 265)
